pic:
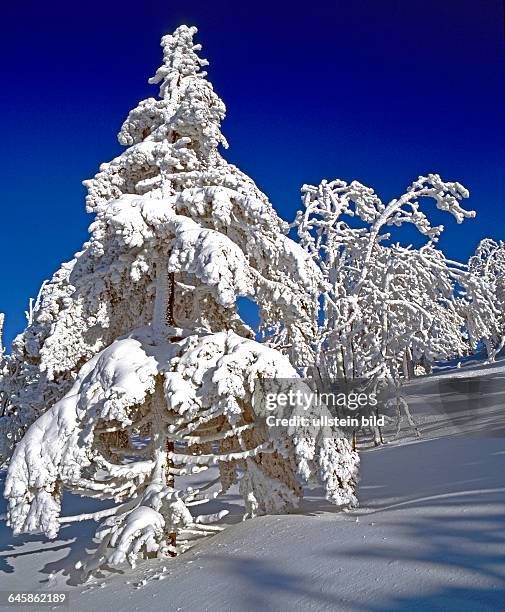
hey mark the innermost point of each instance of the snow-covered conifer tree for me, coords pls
(136, 364)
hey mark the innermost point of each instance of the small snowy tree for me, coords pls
(484, 302)
(371, 284)
(139, 342)
(384, 305)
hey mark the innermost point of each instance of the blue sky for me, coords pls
(379, 90)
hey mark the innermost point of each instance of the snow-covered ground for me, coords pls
(429, 535)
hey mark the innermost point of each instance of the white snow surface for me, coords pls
(428, 535)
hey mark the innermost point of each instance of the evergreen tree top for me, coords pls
(180, 59)
(188, 106)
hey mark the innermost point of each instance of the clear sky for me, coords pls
(378, 90)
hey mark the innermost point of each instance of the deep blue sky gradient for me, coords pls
(379, 90)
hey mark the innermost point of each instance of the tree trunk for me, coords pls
(162, 298)
(490, 350)
(408, 365)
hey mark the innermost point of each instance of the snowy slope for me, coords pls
(429, 535)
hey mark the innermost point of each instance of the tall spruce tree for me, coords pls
(136, 370)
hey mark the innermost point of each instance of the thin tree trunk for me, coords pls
(171, 300)
(162, 449)
(410, 363)
(404, 367)
(161, 299)
(491, 353)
